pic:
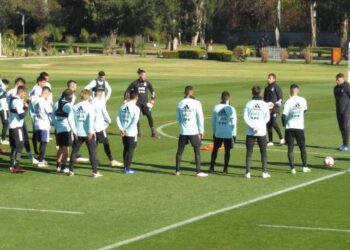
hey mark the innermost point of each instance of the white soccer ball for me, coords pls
(150, 105)
(328, 162)
(270, 105)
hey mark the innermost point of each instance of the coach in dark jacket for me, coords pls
(273, 94)
(342, 103)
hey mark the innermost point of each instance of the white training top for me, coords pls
(189, 114)
(224, 121)
(37, 90)
(3, 97)
(294, 110)
(12, 92)
(43, 110)
(102, 118)
(256, 116)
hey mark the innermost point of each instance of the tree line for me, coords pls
(192, 21)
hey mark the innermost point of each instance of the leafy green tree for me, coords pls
(85, 37)
(56, 33)
(39, 39)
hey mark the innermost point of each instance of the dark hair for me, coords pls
(273, 75)
(40, 78)
(225, 96)
(5, 81)
(340, 75)
(133, 95)
(70, 82)
(188, 89)
(256, 90)
(101, 73)
(45, 88)
(44, 74)
(20, 79)
(21, 89)
(294, 86)
(140, 71)
(67, 93)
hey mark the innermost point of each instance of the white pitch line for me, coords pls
(219, 211)
(307, 228)
(161, 132)
(41, 210)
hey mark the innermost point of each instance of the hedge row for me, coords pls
(225, 56)
(170, 54)
(184, 54)
(191, 54)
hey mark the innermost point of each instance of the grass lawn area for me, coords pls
(118, 207)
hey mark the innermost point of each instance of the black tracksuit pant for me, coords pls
(273, 124)
(262, 142)
(91, 145)
(343, 123)
(146, 112)
(4, 114)
(101, 137)
(129, 144)
(16, 144)
(196, 144)
(291, 136)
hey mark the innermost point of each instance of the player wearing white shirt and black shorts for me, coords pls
(42, 122)
(224, 123)
(293, 120)
(256, 116)
(102, 121)
(17, 108)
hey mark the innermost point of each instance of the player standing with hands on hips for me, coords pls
(342, 104)
(224, 123)
(141, 86)
(256, 116)
(293, 121)
(273, 94)
(189, 114)
(101, 83)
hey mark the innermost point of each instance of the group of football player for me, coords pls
(84, 119)
(76, 120)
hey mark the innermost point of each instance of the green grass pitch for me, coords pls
(117, 207)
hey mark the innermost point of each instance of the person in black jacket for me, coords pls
(273, 94)
(142, 86)
(342, 103)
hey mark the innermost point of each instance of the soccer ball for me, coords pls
(328, 162)
(150, 105)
